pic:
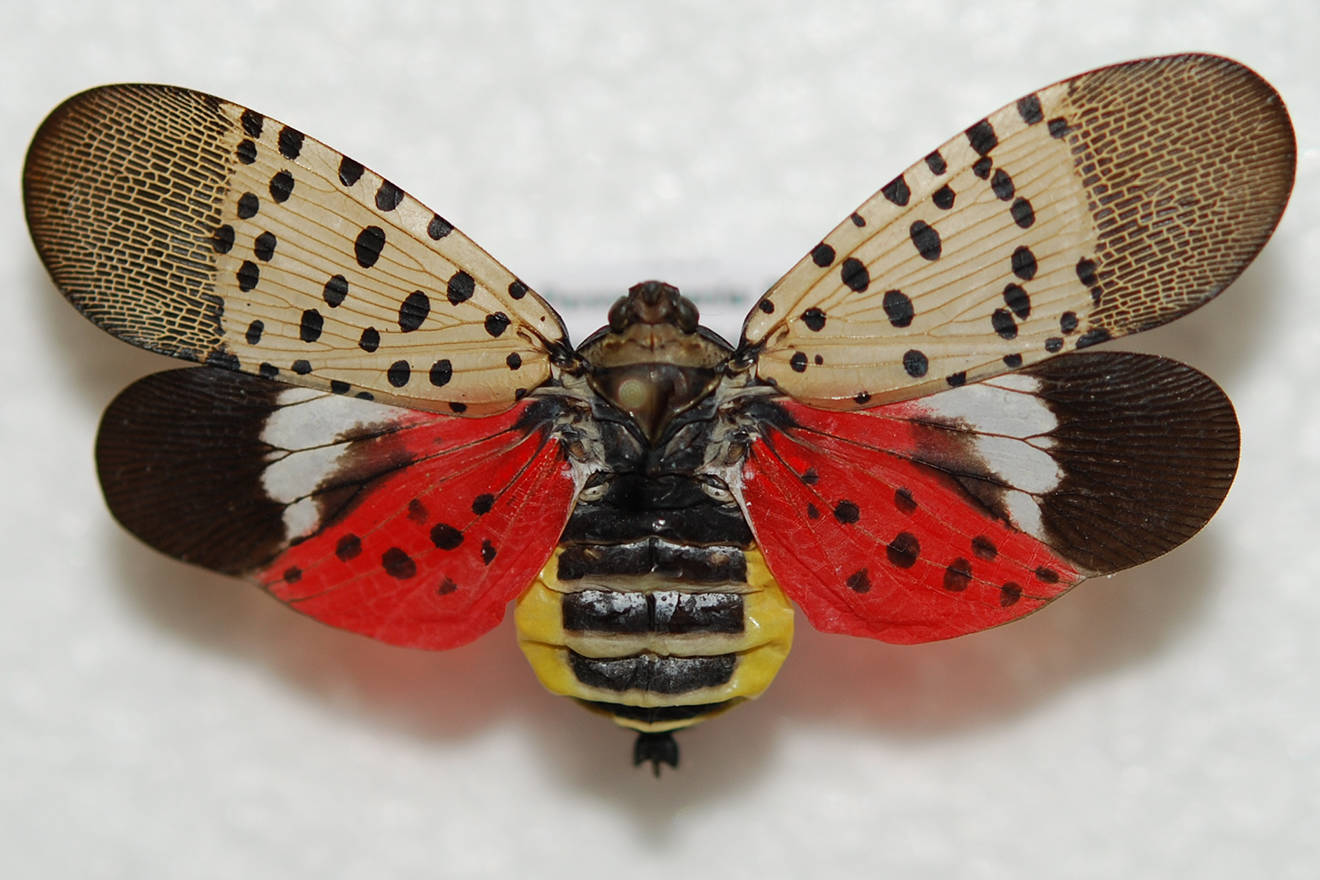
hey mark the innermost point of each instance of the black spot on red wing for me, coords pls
(847, 512)
(496, 323)
(222, 241)
(248, 205)
(904, 501)
(487, 551)
(460, 288)
(903, 551)
(348, 547)
(1047, 575)
(441, 372)
(309, 328)
(246, 151)
(446, 587)
(915, 363)
(398, 564)
(399, 373)
(263, 248)
(368, 245)
(1004, 324)
(859, 581)
(336, 289)
(1024, 263)
(957, 575)
(517, 289)
(897, 191)
(926, 240)
(943, 198)
(822, 255)
(982, 137)
(482, 504)
(1029, 109)
(417, 511)
(292, 575)
(984, 548)
(301, 366)
(413, 311)
(810, 477)
(812, 512)
(251, 122)
(388, 196)
(1009, 594)
(898, 308)
(798, 362)
(248, 275)
(281, 186)
(1002, 185)
(853, 273)
(935, 162)
(814, 318)
(1058, 127)
(291, 142)
(957, 379)
(369, 341)
(253, 335)
(350, 172)
(445, 536)
(439, 227)
(1023, 214)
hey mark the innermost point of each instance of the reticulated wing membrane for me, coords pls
(200, 229)
(933, 518)
(414, 528)
(1102, 205)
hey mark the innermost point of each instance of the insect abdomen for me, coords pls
(655, 633)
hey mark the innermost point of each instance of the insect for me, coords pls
(911, 440)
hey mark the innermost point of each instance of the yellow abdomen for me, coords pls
(656, 652)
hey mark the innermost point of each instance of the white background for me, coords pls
(156, 720)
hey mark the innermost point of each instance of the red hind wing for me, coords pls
(946, 515)
(413, 528)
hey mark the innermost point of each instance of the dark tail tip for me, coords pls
(658, 748)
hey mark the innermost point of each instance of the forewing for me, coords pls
(200, 229)
(1102, 205)
(413, 528)
(932, 518)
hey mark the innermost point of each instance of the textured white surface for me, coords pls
(159, 721)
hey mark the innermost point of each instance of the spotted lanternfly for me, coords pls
(401, 439)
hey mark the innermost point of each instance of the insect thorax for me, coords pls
(656, 609)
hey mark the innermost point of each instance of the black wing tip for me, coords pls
(658, 748)
(1180, 440)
